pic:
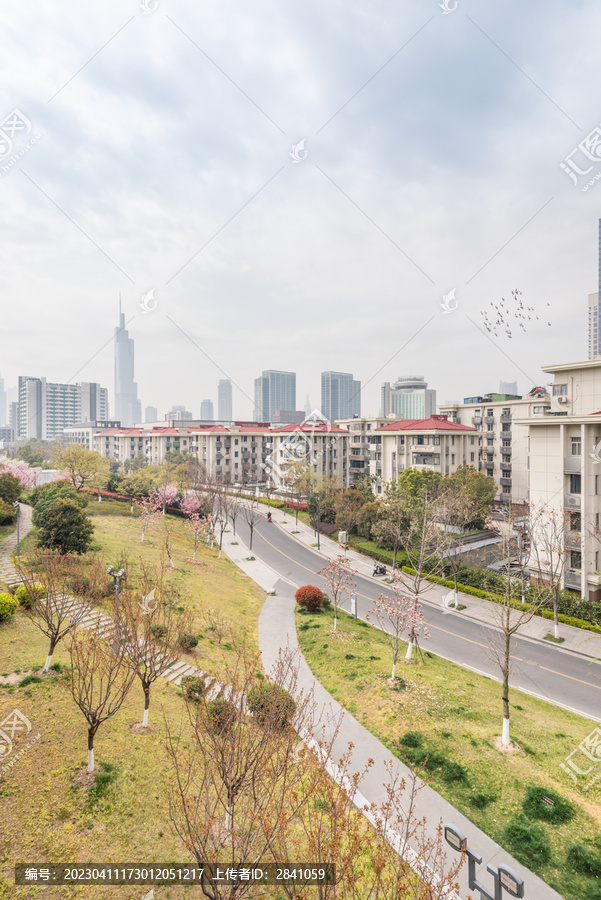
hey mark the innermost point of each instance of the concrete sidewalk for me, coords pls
(576, 640)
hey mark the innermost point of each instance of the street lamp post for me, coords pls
(118, 578)
(318, 546)
(17, 506)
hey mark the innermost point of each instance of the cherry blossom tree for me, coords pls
(151, 513)
(396, 615)
(338, 575)
(200, 526)
(19, 468)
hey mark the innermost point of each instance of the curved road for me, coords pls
(558, 676)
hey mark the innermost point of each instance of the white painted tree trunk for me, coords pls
(505, 738)
(145, 720)
(455, 598)
(90, 760)
(393, 669)
(556, 630)
(409, 652)
(47, 663)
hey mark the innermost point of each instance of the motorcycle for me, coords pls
(379, 569)
(269, 517)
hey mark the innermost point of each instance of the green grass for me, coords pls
(458, 724)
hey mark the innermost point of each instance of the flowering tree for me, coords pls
(396, 615)
(190, 505)
(19, 468)
(164, 496)
(150, 514)
(200, 526)
(338, 575)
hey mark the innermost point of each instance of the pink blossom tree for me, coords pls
(151, 512)
(190, 505)
(200, 526)
(338, 575)
(395, 616)
(21, 470)
(164, 496)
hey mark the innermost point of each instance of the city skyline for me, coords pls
(337, 257)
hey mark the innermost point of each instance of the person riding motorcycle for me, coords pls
(269, 517)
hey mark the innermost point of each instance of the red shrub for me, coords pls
(309, 597)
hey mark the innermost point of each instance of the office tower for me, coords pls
(224, 400)
(407, 398)
(13, 417)
(45, 408)
(274, 390)
(206, 411)
(151, 414)
(128, 409)
(308, 409)
(340, 396)
(3, 410)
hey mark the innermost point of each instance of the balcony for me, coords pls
(571, 501)
(505, 417)
(490, 420)
(572, 464)
(573, 579)
(476, 420)
(505, 481)
(573, 540)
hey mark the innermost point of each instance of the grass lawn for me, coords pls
(5, 530)
(457, 717)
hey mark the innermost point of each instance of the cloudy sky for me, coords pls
(431, 163)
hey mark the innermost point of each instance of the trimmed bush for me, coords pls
(7, 512)
(193, 688)
(188, 641)
(30, 679)
(528, 843)
(430, 760)
(222, 715)
(26, 595)
(412, 739)
(535, 806)
(584, 860)
(271, 703)
(8, 606)
(309, 597)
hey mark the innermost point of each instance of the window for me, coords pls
(436, 440)
(505, 473)
(452, 459)
(575, 521)
(472, 440)
(576, 446)
(576, 559)
(506, 489)
(560, 390)
(471, 457)
(419, 439)
(490, 427)
(507, 443)
(477, 413)
(490, 412)
(453, 440)
(506, 426)
(506, 411)
(575, 483)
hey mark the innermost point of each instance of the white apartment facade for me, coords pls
(502, 444)
(435, 443)
(360, 430)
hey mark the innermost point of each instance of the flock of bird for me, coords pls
(506, 312)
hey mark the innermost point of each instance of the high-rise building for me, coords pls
(594, 314)
(274, 390)
(340, 396)
(3, 411)
(128, 409)
(45, 408)
(151, 414)
(407, 398)
(224, 400)
(206, 411)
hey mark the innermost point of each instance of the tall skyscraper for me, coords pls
(274, 390)
(407, 398)
(594, 314)
(340, 396)
(3, 410)
(206, 411)
(151, 414)
(224, 400)
(128, 409)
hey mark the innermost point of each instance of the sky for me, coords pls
(300, 186)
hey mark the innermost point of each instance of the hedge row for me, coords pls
(497, 598)
(369, 548)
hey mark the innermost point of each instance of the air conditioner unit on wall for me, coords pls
(572, 501)
(562, 399)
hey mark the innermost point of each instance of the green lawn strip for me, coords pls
(457, 713)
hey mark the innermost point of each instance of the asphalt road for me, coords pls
(559, 676)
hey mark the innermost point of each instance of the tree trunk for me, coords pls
(50, 654)
(506, 662)
(393, 669)
(555, 619)
(91, 732)
(252, 528)
(394, 558)
(146, 703)
(409, 652)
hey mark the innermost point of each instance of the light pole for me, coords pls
(318, 546)
(118, 578)
(17, 506)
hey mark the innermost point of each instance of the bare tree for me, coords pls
(100, 680)
(233, 510)
(251, 516)
(48, 577)
(338, 575)
(396, 615)
(552, 533)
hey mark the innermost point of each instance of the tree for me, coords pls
(477, 492)
(51, 610)
(549, 532)
(66, 528)
(21, 470)
(348, 509)
(80, 464)
(251, 516)
(367, 519)
(338, 576)
(150, 515)
(164, 496)
(392, 522)
(154, 630)
(396, 615)
(233, 510)
(10, 488)
(100, 680)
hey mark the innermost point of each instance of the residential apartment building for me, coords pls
(340, 396)
(407, 398)
(360, 430)
(239, 453)
(46, 408)
(84, 433)
(565, 469)
(501, 449)
(274, 390)
(434, 443)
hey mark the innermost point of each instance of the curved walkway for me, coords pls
(8, 573)
(277, 632)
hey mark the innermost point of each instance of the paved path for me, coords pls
(8, 573)
(277, 631)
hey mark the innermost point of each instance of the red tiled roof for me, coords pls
(313, 428)
(122, 431)
(434, 423)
